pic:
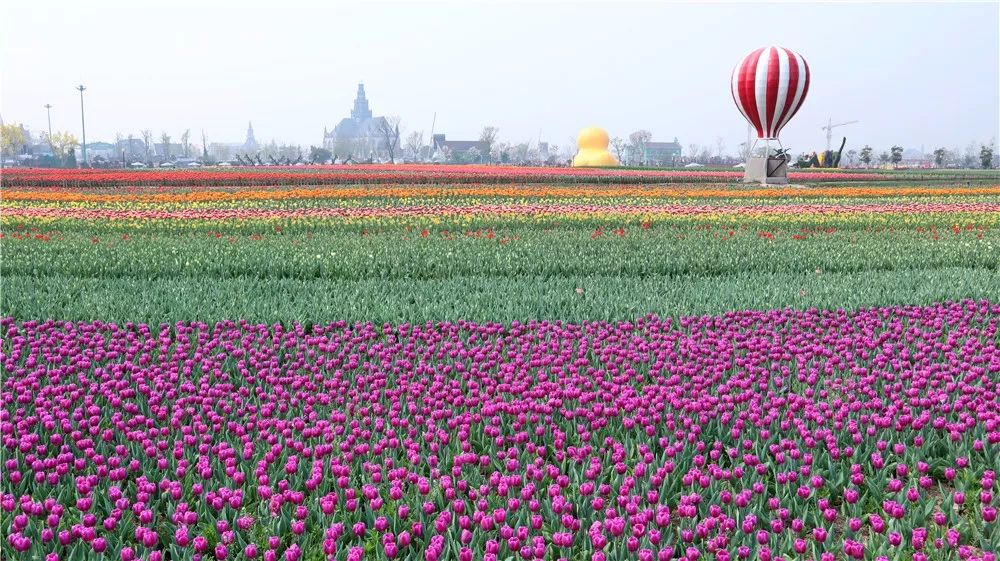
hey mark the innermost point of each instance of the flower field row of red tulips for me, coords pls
(433, 363)
(415, 174)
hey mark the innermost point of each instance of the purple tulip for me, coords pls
(469, 428)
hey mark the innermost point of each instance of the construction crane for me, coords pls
(829, 130)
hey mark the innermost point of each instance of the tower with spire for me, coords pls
(361, 112)
(250, 144)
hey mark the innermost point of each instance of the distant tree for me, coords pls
(63, 143)
(414, 144)
(147, 139)
(388, 130)
(345, 149)
(705, 155)
(288, 153)
(12, 139)
(883, 158)
(619, 145)
(520, 153)
(553, 154)
(940, 155)
(986, 156)
(185, 142)
(970, 156)
(744, 150)
(489, 136)
(569, 150)
(866, 155)
(119, 149)
(533, 155)
(445, 154)
(720, 146)
(129, 151)
(472, 155)
(852, 157)
(501, 152)
(693, 150)
(165, 139)
(896, 155)
(637, 143)
(204, 146)
(269, 149)
(319, 155)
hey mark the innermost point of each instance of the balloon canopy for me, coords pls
(769, 86)
(592, 144)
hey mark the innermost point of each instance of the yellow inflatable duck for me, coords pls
(592, 144)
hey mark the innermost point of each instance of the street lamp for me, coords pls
(48, 111)
(83, 124)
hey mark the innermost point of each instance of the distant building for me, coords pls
(916, 158)
(663, 153)
(460, 151)
(134, 148)
(358, 135)
(34, 147)
(40, 148)
(103, 150)
(224, 151)
(173, 150)
(250, 145)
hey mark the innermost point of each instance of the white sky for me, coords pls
(912, 73)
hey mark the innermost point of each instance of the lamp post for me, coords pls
(83, 124)
(48, 111)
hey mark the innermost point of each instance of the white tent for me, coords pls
(694, 165)
(138, 165)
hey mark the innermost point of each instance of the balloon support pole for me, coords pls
(766, 169)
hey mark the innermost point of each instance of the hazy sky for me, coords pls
(915, 74)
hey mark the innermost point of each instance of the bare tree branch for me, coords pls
(619, 145)
(388, 129)
(414, 144)
(489, 136)
(638, 141)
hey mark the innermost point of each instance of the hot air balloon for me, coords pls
(769, 86)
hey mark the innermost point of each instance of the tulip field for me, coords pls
(480, 363)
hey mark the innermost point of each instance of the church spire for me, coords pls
(361, 112)
(251, 143)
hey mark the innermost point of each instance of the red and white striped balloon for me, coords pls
(769, 85)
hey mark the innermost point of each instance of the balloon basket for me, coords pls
(771, 170)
